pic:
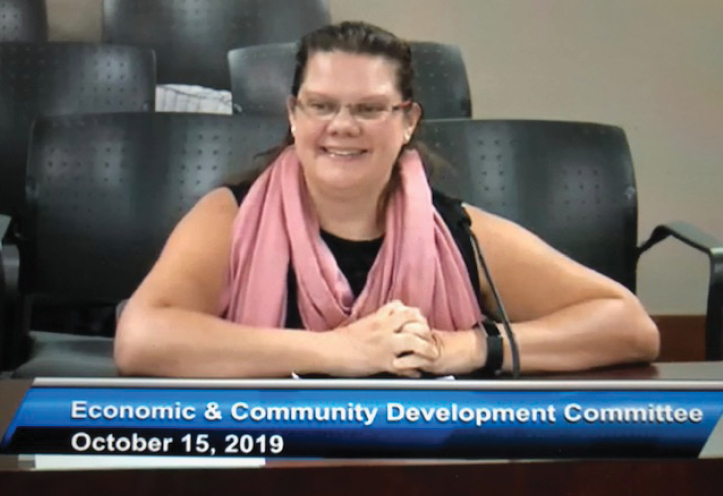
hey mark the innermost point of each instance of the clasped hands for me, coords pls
(397, 339)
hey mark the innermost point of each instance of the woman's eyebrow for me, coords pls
(315, 94)
(364, 99)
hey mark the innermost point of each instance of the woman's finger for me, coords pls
(410, 373)
(419, 316)
(417, 329)
(403, 316)
(405, 343)
(410, 362)
(391, 307)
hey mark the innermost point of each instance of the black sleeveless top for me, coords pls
(355, 258)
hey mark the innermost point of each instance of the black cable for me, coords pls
(514, 350)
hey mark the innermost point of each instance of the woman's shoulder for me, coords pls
(490, 225)
(217, 207)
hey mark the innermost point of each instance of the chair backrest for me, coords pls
(40, 79)
(105, 191)
(261, 78)
(191, 37)
(23, 20)
(570, 183)
(440, 80)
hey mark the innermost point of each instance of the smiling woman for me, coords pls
(341, 234)
(349, 123)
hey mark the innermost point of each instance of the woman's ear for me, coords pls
(290, 112)
(413, 115)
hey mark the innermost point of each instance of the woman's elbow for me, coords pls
(130, 348)
(642, 331)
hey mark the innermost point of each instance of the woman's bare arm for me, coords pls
(171, 327)
(171, 324)
(565, 316)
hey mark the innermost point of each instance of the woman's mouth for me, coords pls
(343, 153)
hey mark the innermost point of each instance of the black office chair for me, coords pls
(104, 193)
(191, 38)
(39, 79)
(261, 79)
(570, 183)
(440, 80)
(23, 20)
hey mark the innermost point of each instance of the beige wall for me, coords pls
(74, 20)
(655, 68)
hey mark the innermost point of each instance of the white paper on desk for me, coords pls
(105, 462)
(294, 375)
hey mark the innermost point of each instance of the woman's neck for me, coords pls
(354, 217)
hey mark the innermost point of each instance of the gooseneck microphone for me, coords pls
(514, 350)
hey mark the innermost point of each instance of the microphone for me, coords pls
(505, 320)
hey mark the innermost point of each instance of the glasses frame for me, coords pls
(298, 103)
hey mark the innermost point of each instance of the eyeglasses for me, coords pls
(327, 110)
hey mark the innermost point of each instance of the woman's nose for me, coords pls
(344, 121)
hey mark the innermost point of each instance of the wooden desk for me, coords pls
(559, 478)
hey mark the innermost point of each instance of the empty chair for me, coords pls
(191, 38)
(104, 193)
(62, 78)
(261, 79)
(570, 183)
(440, 78)
(23, 20)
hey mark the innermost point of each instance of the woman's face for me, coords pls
(349, 122)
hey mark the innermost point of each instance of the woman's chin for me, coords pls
(342, 182)
(343, 173)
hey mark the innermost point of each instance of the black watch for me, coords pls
(495, 354)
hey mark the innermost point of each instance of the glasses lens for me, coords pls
(369, 112)
(328, 109)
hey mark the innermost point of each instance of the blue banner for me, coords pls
(364, 423)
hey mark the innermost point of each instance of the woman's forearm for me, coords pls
(583, 336)
(173, 342)
(591, 334)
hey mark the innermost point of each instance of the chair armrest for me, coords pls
(701, 241)
(9, 270)
(4, 291)
(4, 226)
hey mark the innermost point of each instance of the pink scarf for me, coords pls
(418, 263)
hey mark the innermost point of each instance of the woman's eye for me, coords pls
(370, 110)
(322, 107)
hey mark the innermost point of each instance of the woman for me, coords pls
(342, 234)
